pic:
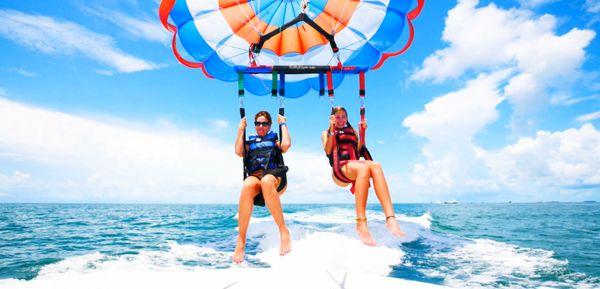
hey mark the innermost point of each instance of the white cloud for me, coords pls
(543, 167)
(565, 99)
(142, 28)
(449, 124)
(535, 3)
(592, 6)
(490, 38)
(477, 38)
(570, 158)
(84, 159)
(543, 66)
(104, 72)
(21, 71)
(589, 117)
(459, 115)
(219, 124)
(63, 38)
(17, 177)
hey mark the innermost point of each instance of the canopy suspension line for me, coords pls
(241, 94)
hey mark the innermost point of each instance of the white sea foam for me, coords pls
(342, 221)
(333, 216)
(325, 250)
(330, 251)
(325, 239)
(181, 257)
(318, 260)
(483, 263)
(334, 248)
(235, 278)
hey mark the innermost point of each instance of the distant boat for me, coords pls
(452, 202)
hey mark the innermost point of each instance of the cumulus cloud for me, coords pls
(540, 167)
(520, 59)
(85, 159)
(459, 115)
(560, 165)
(490, 38)
(60, 38)
(565, 159)
(449, 123)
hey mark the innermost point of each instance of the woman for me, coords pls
(342, 139)
(266, 175)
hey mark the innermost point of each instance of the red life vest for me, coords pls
(345, 148)
(346, 144)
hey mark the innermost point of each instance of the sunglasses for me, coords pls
(261, 123)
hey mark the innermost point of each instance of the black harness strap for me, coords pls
(259, 199)
(241, 92)
(256, 47)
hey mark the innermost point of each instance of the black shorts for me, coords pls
(279, 172)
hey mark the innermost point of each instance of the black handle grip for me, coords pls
(242, 112)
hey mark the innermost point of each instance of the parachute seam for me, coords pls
(326, 13)
(341, 15)
(248, 17)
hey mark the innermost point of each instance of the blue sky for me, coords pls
(495, 101)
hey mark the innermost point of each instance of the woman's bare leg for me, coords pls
(250, 189)
(383, 194)
(269, 189)
(362, 175)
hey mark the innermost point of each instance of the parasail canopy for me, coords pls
(221, 35)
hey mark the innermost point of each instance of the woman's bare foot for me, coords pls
(392, 226)
(238, 254)
(363, 232)
(286, 242)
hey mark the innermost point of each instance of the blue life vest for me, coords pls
(263, 153)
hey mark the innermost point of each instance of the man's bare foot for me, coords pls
(392, 226)
(363, 232)
(286, 242)
(238, 254)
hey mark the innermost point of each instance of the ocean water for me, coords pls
(541, 245)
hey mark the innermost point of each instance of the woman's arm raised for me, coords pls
(327, 136)
(286, 141)
(239, 140)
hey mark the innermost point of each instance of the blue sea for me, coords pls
(537, 245)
